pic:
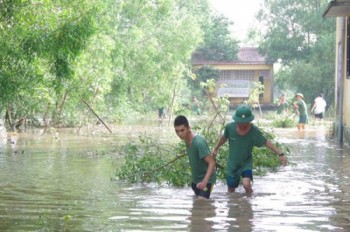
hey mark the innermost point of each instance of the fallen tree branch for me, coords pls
(172, 161)
(96, 115)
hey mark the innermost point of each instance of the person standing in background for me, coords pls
(301, 109)
(195, 106)
(319, 107)
(161, 112)
(282, 104)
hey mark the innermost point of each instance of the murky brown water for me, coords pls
(61, 182)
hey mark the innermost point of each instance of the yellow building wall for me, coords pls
(268, 88)
(268, 81)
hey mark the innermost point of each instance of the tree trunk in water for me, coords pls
(60, 109)
(45, 119)
(8, 118)
(86, 115)
(172, 104)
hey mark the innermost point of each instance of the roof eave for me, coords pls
(337, 9)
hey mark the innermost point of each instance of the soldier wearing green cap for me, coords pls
(243, 135)
(301, 109)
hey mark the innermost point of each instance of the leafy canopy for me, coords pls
(295, 35)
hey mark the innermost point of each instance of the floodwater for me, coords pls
(61, 181)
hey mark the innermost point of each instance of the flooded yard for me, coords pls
(61, 181)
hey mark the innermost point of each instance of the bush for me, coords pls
(283, 123)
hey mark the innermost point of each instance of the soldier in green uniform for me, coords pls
(243, 135)
(301, 109)
(201, 162)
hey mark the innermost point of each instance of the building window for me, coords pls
(235, 83)
(246, 75)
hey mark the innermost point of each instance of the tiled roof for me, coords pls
(245, 55)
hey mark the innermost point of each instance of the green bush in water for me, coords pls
(283, 122)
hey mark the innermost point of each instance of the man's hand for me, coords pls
(214, 153)
(283, 159)
(202, 185)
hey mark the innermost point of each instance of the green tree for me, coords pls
(41, 43)
(295, 35)
(119, 55)
(155, 43)
(218, 43)
(202, 75)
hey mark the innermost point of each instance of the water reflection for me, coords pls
(242, 212)
(202, 215)
(234, 212)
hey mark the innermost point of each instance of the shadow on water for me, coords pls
(61, 182)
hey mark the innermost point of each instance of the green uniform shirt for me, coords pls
(240, 156)
(301, 107)
(196, 153)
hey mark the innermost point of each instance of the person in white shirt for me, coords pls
(319, 107)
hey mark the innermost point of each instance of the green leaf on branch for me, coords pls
(149, 161)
